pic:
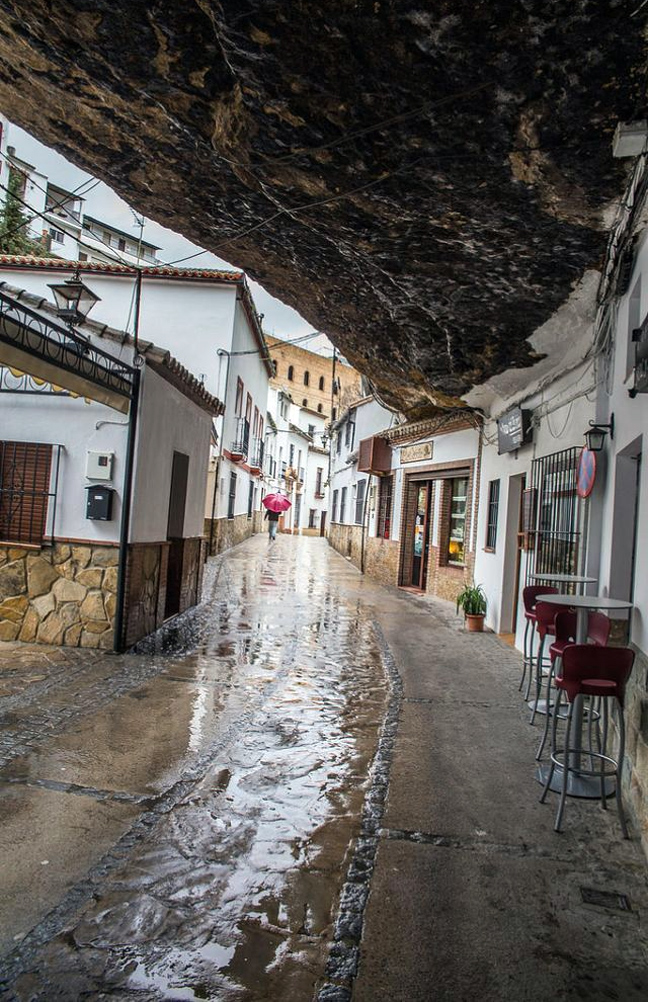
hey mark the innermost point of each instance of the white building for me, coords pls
(207, 319)
(101, 494)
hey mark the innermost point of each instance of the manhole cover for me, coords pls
(606, 899)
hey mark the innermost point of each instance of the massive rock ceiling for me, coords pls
(425, 182)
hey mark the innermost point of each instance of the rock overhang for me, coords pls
(427, 183)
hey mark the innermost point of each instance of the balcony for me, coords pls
(256, 461)
(241, 443)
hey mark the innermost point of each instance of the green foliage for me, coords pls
(472, 600)
(14, 223)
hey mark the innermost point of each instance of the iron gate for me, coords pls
(555, 516)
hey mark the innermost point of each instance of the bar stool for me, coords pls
(598, 633)
(545, 616)
(530, 596)
(588, 670)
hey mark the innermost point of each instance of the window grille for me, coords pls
(250, 499)
(556, 540)
(334, 507)
(343, 498)
(493, 508)
(385, 495)
(359, 501)
(25, 495)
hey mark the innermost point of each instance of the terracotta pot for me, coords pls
(475, 624)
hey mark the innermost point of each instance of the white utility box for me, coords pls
(99, 465)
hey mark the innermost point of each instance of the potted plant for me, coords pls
(473, 602)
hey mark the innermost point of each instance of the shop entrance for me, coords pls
(421, 534)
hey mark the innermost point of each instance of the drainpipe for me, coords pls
(124, 528)
(220, 353)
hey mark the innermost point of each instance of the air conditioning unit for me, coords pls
(374, 456)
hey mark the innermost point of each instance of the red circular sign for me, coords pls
(586, 474)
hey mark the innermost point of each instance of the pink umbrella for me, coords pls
(276, 502)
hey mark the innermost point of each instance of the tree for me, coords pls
(14, 223)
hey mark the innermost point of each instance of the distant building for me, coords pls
(100, 241)
(308, 378)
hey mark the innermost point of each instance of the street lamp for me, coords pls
(595, 437)
(74, 300)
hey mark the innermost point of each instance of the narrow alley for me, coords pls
(312, 787)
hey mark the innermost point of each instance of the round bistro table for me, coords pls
(577, 785)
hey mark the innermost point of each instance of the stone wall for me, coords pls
(60, 594)
(145, 590)
(382, 559)
(347, 540)
(227, 532)
(636, 764)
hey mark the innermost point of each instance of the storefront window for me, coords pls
(456, 538)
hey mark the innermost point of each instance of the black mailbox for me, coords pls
(99, 503)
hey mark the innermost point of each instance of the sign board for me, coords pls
(586, 473)
(513, 430)
(415, 453)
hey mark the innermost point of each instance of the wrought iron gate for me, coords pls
(554, 516)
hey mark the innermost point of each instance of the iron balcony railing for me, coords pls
(241, 443)
(257, 454)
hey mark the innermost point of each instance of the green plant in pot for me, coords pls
(473, 602)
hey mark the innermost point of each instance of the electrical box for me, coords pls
(99, 465)
(99, 503)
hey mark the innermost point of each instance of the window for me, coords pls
(359, 502)
(250, 499)
(291, 455)
(318, 481)
(634, 320)
(458, 491)
(311, 518)
(336, 384)
(306, 377)
(321, 382)
(334, 414)
(493, 506)
(304, 402)
(338, 443)
(343, 498)
(231, 501)
(385, 495)
(319, 408)
(248, 409)
(24, 491)
(291, 373)
(349, 431)
(311, 430)
(58, 236)
(334, 506)
(121, 244)
(238, 409)
(83, 257)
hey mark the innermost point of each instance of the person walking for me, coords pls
(273, 522)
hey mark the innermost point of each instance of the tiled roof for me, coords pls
(163, 271)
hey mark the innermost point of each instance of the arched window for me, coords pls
(291, 373)
(304, 403)
(306, 378)
(321, 383)
(319, 408)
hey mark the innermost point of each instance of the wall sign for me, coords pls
(415, 453)
(513, 430)
(586, 473)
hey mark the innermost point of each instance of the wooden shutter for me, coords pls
(24, 491)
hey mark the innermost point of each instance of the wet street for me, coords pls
(310, 788)
(177, 823)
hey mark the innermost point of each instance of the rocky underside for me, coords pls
(425, 182)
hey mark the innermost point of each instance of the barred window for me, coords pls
(334, 507)
(343, 498)
(359, 501)
(493, 508)
(385, 495)
(25, 469)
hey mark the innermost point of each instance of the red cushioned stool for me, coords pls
(589, 670)
(530, 596)
(545, 625)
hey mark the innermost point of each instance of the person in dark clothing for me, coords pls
(273, 522)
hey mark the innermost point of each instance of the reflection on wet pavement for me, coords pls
(249, 747)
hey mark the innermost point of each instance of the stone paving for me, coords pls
(312, 787)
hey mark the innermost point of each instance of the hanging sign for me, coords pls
(586, 473)
(513, 429)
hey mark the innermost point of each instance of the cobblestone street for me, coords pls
(309, 787)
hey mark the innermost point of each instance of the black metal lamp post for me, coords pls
(595, 437)
(74, 300)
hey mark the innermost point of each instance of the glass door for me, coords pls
(421, 535)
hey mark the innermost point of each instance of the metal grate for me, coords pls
(606, 899)
(557, 516)
(27, 490)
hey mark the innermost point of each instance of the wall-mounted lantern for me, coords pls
(595, 437)
(74, 300)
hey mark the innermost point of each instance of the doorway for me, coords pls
(175, 530)
(421, 534)
(625, 522)
(513, 542)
